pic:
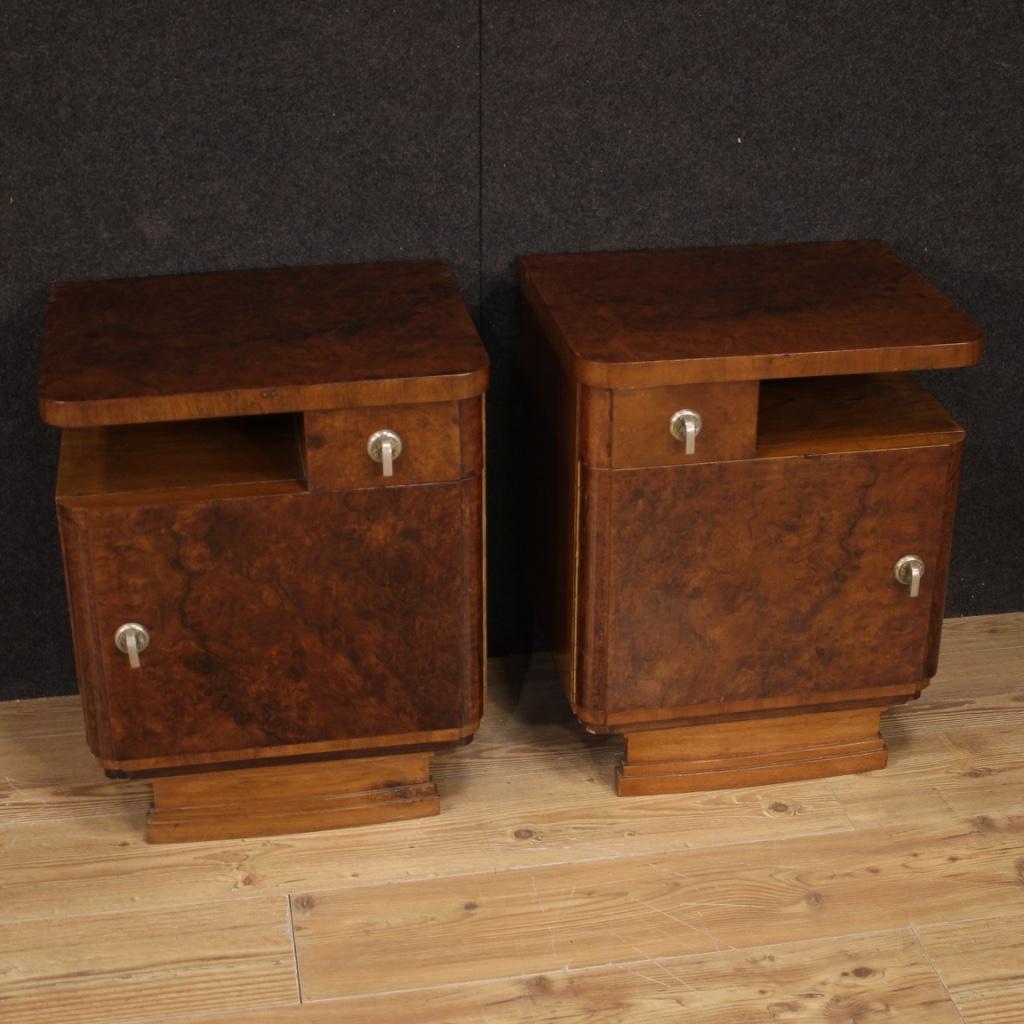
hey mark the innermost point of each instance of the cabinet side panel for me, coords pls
(74, 539)
(471, 435)
(473, 440)
(474, 669)
(942, 565)
(595, 601)
(553, 416)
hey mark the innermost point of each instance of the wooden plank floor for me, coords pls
(537, 895)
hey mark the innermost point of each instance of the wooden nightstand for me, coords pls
(744, 503)
(270, 500)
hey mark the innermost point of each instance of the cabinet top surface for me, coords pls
(260, 341)
(626, 319)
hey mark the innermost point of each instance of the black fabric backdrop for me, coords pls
(142, 138)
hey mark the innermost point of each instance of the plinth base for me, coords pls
(274, 799)
(752, 752)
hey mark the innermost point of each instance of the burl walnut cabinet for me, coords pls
(270, 503)
(744, 501)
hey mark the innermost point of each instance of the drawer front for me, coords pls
(283, 620)
(767, 578)
(641, 420)
(337, 454)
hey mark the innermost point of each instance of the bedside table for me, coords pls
(744, 503)
(270, 501)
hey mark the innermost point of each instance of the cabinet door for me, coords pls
(292, 619)
(763, 579)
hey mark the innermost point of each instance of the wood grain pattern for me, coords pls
(259, 341)
(485, 926)
(336, 455)
(940, 576)
(821, 415)
(145, 966)
(982, 964)
(638, 428)
(256, 622)
(559, 869)
(635, 319)
(702, 714)
(840, 981)
(723, 755)
(491, 820)
(753, 578)
(283, 798)
(779, 569)
(108, 464)
(298, 604)
(967, 772)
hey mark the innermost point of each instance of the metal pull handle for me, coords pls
(685, 426)
(132, 639)
(909, 570)
(384, 446)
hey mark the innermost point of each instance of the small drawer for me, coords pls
(641, 424)
(337, 445)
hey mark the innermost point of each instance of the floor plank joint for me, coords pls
(538, 894)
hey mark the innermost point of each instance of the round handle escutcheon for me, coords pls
(684, 426)
(132, 639)
(908, 571)
(384, 446)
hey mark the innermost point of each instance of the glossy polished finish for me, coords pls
(304, 602)
(261, 341)
(627, 319)
(726, 571)
(727, 597)
(249, 590)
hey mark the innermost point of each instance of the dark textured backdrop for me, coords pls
(144, 138)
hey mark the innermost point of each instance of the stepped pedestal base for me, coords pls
(752, 752)
(299, 797)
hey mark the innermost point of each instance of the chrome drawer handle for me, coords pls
(909, 570)
(384, 446)
(132, 639)
(685, 426)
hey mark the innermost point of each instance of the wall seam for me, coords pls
(480, 160)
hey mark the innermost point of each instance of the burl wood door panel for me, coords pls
(283, 620)
(760, 579)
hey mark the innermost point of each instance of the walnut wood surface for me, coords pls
(638, 426)
(815, 415)
(310, 620)
(752, 582)
(336, 455)
(754, 752)
(630, 319)
(283, 620)
(260, 341)
(758, 579)
(113, 464)
(286, 798)
(353, 748)
(940, 576)
(759, 707)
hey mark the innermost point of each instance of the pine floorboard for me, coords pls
(538, 895)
